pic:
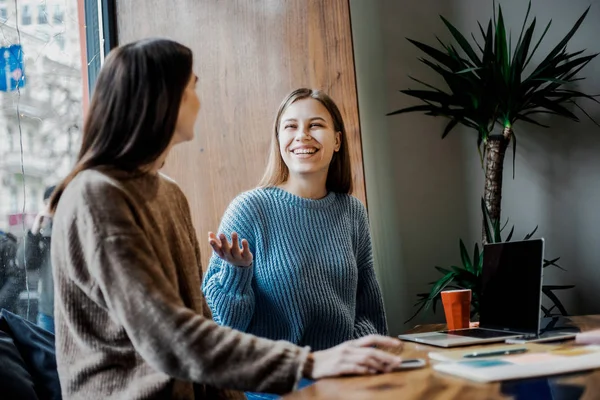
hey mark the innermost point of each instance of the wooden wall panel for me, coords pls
(248, 55)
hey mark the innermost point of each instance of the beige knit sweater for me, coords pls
(131, 321)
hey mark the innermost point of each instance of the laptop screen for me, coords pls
(511, 286)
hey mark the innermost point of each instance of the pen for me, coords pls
(495, 353)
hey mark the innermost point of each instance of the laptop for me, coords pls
(510, 301)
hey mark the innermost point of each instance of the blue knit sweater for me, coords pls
(312, 280)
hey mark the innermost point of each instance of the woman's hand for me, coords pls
(232, 253)
(356, 357)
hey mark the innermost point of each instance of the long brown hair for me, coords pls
(134, 108)
(339, 176)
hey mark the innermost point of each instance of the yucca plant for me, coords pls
(468, 274)
(486, 85)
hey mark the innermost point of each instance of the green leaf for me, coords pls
(548, 292)
(449, 127)
(436, 297)
(464, 255)
(477, 260)
(523, 27)
(497, 232)
(488, 50)
(528, 236)
(586, 114)
(538, 44)
(476, 255)
(548, 263)
(531, 121)
(568, 67)
(576, 94)
(430, 95)
(411, 109)
(439, 285)
(520, 56)
(504, 226)
(472, 69)
(477, 43)
(483, 34)
(546, 312)
(436, 54)
(416, 312)
(462, 42)
(501, 50)
(425, 84)
(443, 270)
(562, 44)
(510, 234)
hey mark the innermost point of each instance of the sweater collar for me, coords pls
(301, 201)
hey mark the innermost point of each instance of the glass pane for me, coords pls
(40, 124)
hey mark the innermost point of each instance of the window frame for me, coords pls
(58, 14)
(26, 15)
(42, 14)
(100, 35)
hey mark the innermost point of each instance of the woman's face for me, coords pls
(188, 112)
(307, 139)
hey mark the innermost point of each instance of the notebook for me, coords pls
(558, 360)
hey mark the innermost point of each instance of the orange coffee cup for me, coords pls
(457, 307)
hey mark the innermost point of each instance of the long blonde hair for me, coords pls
(339, 176)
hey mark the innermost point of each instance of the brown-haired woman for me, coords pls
(131, 321)
(305, 271)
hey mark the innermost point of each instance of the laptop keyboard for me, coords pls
(479, 333)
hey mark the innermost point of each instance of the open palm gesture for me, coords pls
(232, 253)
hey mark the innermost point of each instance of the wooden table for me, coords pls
(428, 384)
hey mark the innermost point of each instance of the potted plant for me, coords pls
(486, 86)
(467, 275)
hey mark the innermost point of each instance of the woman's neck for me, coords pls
(313, 187)
(159, 163)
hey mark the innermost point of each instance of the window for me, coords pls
(42, 18)
(26, 15)
(40, 124)
(31, 139)
(58, 15)
(60, 41)
(11, 138)
(14, 199)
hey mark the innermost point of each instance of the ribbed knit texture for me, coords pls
(312, 280)
(131, 320)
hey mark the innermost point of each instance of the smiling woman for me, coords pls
(309, 120)
(304, 272)
(308, 142)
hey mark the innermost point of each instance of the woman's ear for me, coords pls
(338, 141)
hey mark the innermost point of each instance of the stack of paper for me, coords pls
(552, 360)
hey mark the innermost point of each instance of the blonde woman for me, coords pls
(303, 271)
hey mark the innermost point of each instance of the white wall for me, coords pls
(424, 192)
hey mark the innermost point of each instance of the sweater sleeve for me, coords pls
(133, 286)
(228, 288)
(370, 315)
